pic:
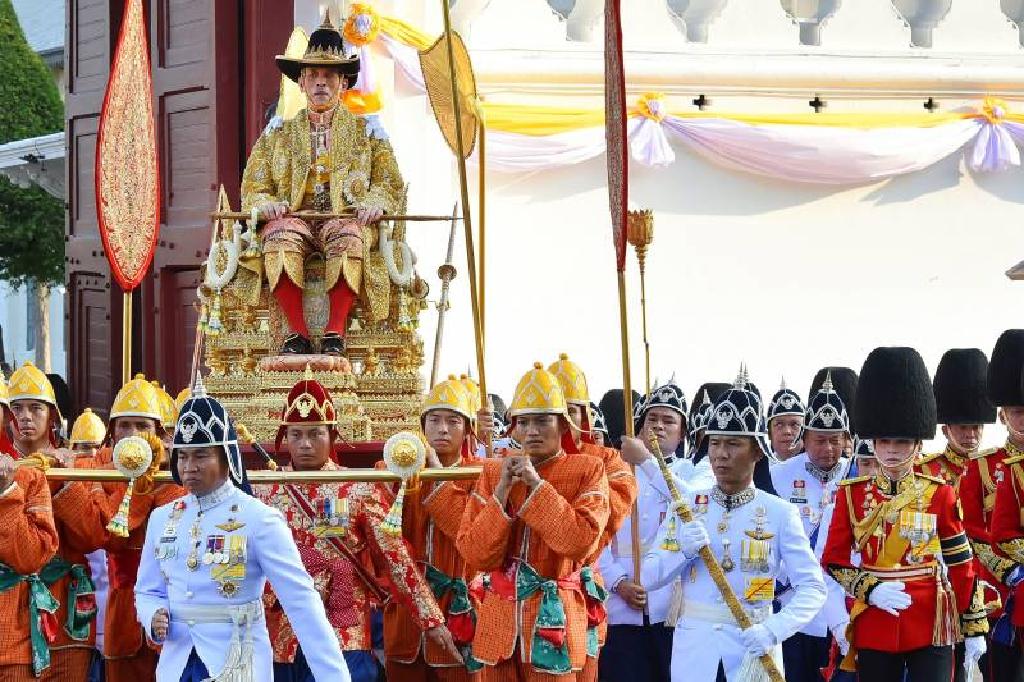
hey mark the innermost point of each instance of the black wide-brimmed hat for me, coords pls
(960, 386)
(325, 48)
(1005, 369)
(894, 396)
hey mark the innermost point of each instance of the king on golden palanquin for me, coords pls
(326, 160)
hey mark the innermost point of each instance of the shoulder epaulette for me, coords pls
(855, 479)
(1014, 460)
(978, 454)
(933, 479)
(925, 459)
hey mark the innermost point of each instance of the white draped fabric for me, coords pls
(817, 154)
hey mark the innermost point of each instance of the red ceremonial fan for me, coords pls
(127, 168)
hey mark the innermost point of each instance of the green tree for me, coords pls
(31, 221)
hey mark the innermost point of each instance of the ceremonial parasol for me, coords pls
(127, 168)
(451, 88)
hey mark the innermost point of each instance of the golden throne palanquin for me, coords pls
(377, 390)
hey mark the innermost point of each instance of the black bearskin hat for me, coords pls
(1004, 369)
(894, 396)
(961, 395)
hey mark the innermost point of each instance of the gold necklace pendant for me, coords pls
(727, 562)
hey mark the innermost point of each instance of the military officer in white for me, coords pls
(808, 481)
(639, 645)
(785, 419)
(207, 559)
(755, 536)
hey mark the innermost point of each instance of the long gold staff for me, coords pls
(446, 271)
(640, 233)
(714, 568)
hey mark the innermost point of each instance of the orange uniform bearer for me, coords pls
(622, 493)
(430, 524)
(531, 524)
(80, 514)
(137, 408)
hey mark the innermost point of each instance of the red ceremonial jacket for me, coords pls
(1007, 526)
(903, 529)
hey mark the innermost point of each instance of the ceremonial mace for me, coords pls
(640, 233)
(685, 515)
(446, 272)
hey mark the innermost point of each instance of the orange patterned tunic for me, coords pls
(28, 539)
(533, 549)
(123, 636)
(430, 524)
(353, 514)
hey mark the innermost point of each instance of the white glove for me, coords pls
(974, 649)
(891, 597)
(839, 634)
(693, 536)
(757, 639)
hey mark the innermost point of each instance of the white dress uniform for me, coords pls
(207, 561)
(759, 537)
(797, 481)
(653, 502)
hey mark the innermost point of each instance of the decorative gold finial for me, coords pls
(640, 233)
(308, 376)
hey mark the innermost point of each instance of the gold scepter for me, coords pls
(685, 515)
(640, 233)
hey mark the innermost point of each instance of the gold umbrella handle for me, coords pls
(685, 514)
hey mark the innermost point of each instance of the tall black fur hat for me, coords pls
(1005, 369)
(894, 396)
(611, 406)
(960, 386)
(844, 381)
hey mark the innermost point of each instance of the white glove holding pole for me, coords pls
(758, 640)
(891, 597)
(693, 536)
(974, 649)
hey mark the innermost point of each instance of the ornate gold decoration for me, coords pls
(127, 190)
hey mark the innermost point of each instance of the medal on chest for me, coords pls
(700, 505)
(799, 494)
(332, 516)
(167, 546)
(919, 529)
(755, 548)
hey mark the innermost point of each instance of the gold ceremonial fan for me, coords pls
(437, 79)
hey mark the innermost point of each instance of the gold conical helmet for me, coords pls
(88, 429)
(572, 380)
(168, 410)
(450, 394)
(29, 383)
(137, 398)
(473, 389)
(179, 400)
(538, 392)
(4, 392)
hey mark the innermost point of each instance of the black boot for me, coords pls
(297, 344)
(333, 343)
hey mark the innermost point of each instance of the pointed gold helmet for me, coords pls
(29, 383)
(473, 389)
(168, 410)
(538, 392)
(4, 392)
(137, 398)
(572, 380)
(179, 400)
(88, 429)
(450, 394)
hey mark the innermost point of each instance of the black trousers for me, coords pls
(636, 652)
(1002, 663)
(927, 664)
(804, 656)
